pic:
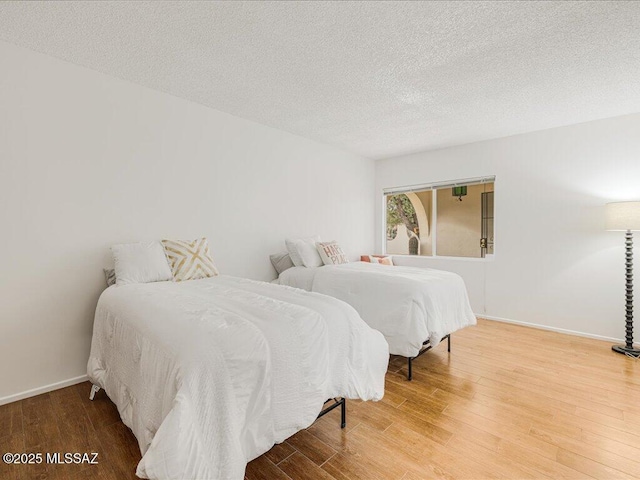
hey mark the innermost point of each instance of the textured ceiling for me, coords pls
(377, 78)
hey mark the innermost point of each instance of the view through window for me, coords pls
(452, 219)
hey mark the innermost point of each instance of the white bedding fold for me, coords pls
(209, 374)
(408, 305)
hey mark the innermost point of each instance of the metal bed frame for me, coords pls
(426, 347)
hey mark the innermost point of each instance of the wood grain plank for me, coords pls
(121, 450)
(600, 455)
(591, 467)
(13, 443)
(102, 471)
(101, 411)
(311, 447)
(346, 467)
(39, 423)
(76, 429)
(11, 419)
(522, 455)
(299, 467)
(279, 452)
(264, 469)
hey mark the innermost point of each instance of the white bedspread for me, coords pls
(209, 374)
(408, 305)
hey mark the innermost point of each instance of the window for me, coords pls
(453, 219)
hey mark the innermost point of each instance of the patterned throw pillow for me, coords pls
(189, 260)
(331, 253)
(381, 260)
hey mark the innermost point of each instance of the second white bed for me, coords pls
(408, 305)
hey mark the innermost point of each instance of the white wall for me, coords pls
(554, 264)
(88, 160)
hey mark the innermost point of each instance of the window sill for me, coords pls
(488, 258)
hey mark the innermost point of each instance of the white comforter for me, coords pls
(408, 305)
(209, 374)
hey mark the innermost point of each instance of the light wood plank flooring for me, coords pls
(508, 402)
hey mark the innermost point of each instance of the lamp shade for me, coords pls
(623, 216)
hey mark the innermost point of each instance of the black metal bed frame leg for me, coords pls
(342, 403)
(427, 347)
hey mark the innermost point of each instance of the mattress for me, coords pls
(408, 305)
(209, 374)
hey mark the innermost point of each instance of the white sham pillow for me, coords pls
(303, 251)
(142, 262)
(331, 253)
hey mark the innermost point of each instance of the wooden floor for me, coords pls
(508, 402)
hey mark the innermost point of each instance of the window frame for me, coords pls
(434, 187)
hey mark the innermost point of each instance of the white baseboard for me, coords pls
(552, 329)
(40, 390)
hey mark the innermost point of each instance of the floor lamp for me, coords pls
(625, 217)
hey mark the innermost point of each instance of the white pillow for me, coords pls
(331, 253)
(303, 251)
(142, 262)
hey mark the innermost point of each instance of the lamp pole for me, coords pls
(628, 347)
(625, 217)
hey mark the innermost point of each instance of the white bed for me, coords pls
(209, 374)
(408, 305)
